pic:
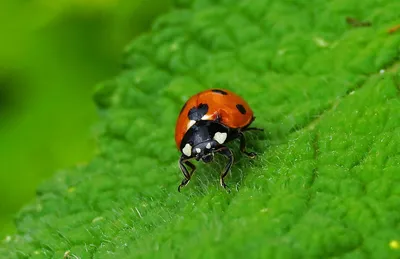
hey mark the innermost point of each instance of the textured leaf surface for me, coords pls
(326, 182)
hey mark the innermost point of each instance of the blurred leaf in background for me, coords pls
(52, 53)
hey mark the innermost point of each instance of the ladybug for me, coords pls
(206, 122)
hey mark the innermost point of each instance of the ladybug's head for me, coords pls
(202, 139)
(204, 151)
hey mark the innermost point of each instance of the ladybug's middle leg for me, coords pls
(185, 172)
(247, 127)
(243, 146)
(252, 128)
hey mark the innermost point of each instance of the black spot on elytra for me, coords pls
(241, 109)
(183, 107)
(219, 91)
(196, 113)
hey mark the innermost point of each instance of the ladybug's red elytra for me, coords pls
(206, 122)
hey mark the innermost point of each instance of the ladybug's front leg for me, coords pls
(185, 172)
(228, 153)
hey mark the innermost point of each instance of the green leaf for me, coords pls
(325, 183)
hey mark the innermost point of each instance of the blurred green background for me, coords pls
(52, 53)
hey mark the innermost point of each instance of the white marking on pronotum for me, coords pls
(207, 117)
(220, 137)
(208, 146)
(190, 124)
(198, 150)
(187, 150)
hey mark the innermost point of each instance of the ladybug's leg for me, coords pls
(185, 172)
(228, 153)
(243, 146)
(246, 128)
(252, 128)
